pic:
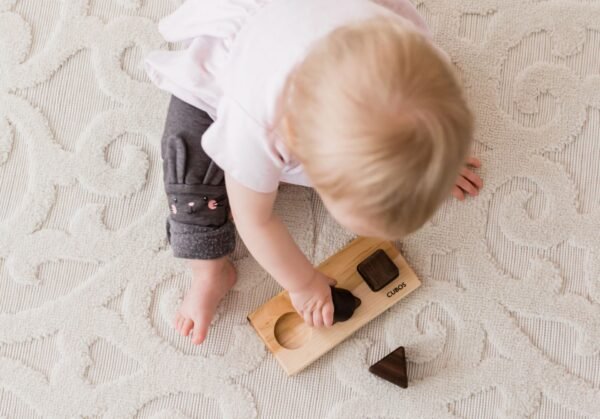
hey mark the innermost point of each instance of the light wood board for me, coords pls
(294, 344)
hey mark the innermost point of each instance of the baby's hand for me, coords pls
(313, 302)
(468, 182)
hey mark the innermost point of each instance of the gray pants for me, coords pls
(198, 226)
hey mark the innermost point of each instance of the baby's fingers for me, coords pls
(472, 177)
(317, 316)
(458, 193)
(475, 162)
(327, 312)
(308, 318)
(467, 186)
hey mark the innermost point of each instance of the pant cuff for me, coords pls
(190, 241)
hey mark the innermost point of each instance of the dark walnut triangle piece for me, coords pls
(392, 368)
(344, 304)
(378, 270)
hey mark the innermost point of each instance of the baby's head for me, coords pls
(377, 117)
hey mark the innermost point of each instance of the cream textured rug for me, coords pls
(506, 325)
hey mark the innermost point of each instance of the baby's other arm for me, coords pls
(468, 182)
(269, 241)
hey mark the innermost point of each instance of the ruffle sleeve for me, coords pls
(209, 28)
(236, 142)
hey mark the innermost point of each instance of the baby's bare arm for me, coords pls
(265, 236)
(269, 241)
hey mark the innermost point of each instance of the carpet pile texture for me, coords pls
(506, 324)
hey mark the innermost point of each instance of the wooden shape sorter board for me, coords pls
(296, 345)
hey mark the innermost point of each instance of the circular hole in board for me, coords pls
(291, 332)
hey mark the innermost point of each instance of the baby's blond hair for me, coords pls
(377, 117)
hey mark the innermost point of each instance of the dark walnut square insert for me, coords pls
(378, 270)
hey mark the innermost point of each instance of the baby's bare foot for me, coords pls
(211, 281)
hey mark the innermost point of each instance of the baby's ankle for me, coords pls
(209, 267)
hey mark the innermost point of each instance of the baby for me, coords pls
(346, 97)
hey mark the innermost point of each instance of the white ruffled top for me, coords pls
(237, 58)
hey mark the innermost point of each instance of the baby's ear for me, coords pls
(176, 160)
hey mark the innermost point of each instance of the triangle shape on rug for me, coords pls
(551, 408)
(392, 368)
(39, 354)
(109, 363)
(12, 406)
(490, 350)
(116, 304)
(479, 404)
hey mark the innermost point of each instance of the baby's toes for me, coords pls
(176, 320)
(200, 330)
(179, 322)
(187, 327)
